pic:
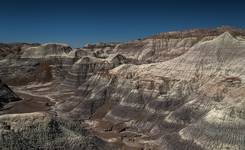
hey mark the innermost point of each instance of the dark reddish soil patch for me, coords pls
(29, 104)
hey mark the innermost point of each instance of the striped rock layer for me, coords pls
(175, 90)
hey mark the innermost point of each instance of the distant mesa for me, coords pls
(48, 50)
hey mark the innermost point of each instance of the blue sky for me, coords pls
(77, 22)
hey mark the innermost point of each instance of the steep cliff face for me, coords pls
(175, 90)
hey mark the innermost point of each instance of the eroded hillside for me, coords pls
(175, 90)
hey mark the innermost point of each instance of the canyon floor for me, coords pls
(180, 90)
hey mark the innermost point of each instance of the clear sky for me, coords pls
(77, 22)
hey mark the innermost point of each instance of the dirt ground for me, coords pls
(28, 104)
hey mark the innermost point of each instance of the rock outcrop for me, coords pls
(46, 51)
(14, 50)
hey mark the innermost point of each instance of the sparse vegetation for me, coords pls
(53, 134)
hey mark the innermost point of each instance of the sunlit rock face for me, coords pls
(14, 50)
(175, 90)
(87, 66)
(169, 45)
(46, 51)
